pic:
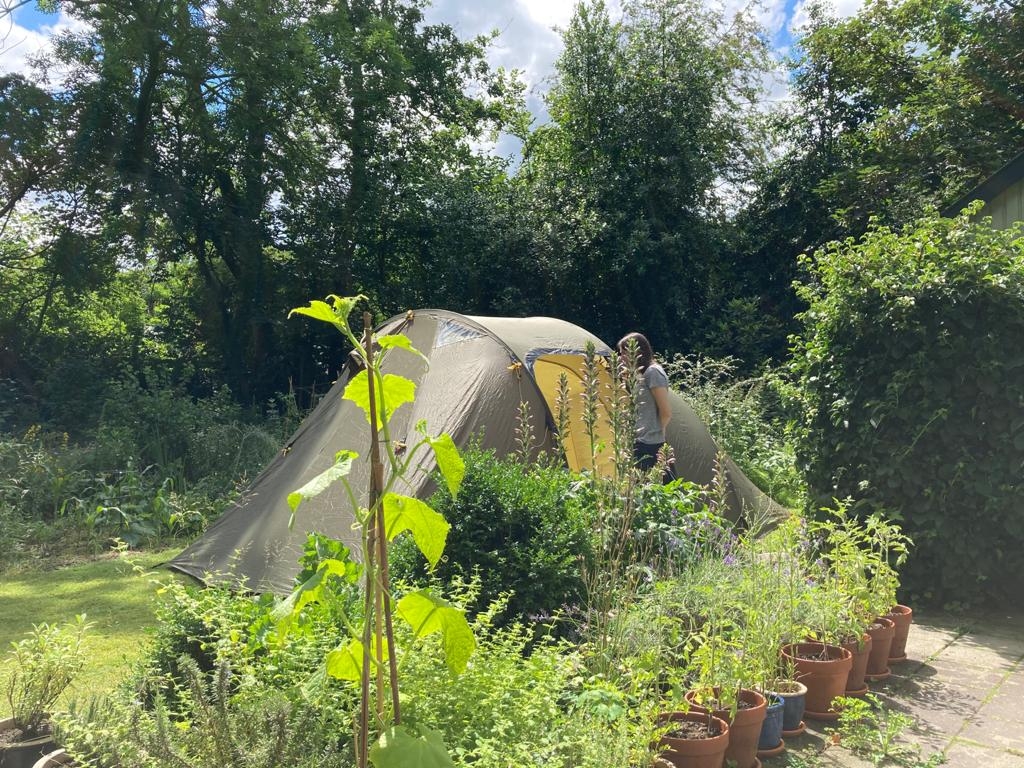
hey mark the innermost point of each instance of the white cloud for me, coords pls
(549, 13)
(842, 9)
(17, 45)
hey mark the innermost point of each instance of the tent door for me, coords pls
(547, 372)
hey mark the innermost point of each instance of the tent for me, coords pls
(480, 370)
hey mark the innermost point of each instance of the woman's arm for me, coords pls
(664, 409)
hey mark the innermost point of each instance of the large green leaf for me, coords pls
(398, 341)
(341, 467)
(311, 590)
(429, 528)
(399, 748)
(336, 315)
(397, 390)
(426, 614)
(453, 468)
(346, 661)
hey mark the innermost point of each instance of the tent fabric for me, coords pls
(480, 370)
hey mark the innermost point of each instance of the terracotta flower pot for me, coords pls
(882, 632)
(855, 685)
(744, 728)
(902, 616)
(824, 669)
(708, 752)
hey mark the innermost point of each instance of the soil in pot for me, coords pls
(745, 727)
(18, 752)
(695, 740)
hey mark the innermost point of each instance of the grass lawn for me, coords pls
(117, 600)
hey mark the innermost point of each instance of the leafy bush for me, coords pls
(53, 491)
(43, 665)
(211, 439)
(220, 726)
(748, 418)
(522, 703)
(160, 465)
(522, 529)
(912, 387)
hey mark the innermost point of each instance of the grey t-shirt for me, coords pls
(648, 427)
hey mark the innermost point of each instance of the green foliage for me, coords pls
(877, 732)
(911, 395)
(44, 664)
(523, 703)
(236, 199)
(54, 489)
(893, 101)
(650, 115)
(747, 416)
(372, 648)
(222, 726)
(863, 559)
(159, 465)
(518, 529)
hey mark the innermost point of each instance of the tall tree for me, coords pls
(650, 118)
(265, 145)
(905, 106)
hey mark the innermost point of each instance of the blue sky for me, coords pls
(528, 39)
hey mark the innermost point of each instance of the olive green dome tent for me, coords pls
(477, 373)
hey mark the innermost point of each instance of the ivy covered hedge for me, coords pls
(911, 361)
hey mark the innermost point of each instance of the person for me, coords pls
(653, 411)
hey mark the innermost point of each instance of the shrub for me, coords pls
(910, 369)
(521, 528)
(43, 665)
(748, 418)
(258, 726)
(522, 703)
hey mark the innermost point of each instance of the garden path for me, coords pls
(963, 684)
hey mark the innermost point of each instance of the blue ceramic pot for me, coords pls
(771, 728)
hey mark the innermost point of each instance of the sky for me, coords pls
(529, 40)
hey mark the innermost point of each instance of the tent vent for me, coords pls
(453, 332)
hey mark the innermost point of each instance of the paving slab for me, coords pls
(962, 754)
(963, 687)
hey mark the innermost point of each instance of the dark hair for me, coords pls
(644, 353)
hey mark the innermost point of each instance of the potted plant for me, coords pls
(724, 689)
(770, 742)
(902, 616)
(693, 740)
(43, 664)
(793, 694)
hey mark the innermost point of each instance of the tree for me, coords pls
(650, 123)
(905, 106)
(266, 147)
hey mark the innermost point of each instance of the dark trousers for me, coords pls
(646, 457)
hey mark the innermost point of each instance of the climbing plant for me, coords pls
(368, 654)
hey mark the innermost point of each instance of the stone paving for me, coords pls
(962, 683)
